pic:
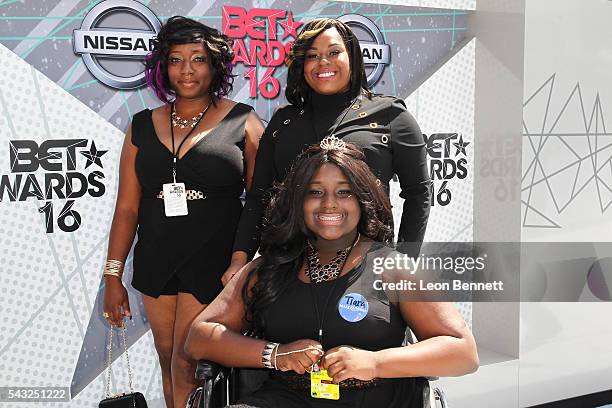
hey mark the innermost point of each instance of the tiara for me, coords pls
(332, 143)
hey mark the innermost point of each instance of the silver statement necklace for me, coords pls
(177, 121)
(318, 273)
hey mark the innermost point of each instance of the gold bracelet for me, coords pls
(112, 267)
(108, 273)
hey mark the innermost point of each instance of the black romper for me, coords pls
(292, 317)
(195, 248)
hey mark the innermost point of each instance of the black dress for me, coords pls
(293, 317)
(381, 126)
(195, 248)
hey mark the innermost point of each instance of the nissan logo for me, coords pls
(375, 52)
(92, 42)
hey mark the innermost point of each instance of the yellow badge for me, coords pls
(321, 386)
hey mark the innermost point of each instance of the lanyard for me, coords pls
(175, 155)
(321, 319)
(339, 122)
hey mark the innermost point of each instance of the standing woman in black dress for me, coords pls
(328, 92)
(183, 169)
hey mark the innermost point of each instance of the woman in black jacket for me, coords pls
(328, 92)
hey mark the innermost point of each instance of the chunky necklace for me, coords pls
(322, 273)
(177, 121)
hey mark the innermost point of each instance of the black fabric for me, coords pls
(292, 317)
(196, 247)
(174, 286)
(396, 393)
(381, 126)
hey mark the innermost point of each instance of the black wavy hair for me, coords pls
(285, 235)
(298, 92)
(183, 30)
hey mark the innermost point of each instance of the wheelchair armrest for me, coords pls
(440, 397)
(210, 370)
(213, 377)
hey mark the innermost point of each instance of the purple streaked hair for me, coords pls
(182, 30)
(155, 80)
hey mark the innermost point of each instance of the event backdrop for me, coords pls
(70, 82)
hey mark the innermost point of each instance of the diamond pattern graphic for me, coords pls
(567, 154)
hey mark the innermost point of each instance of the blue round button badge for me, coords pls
(353, 307)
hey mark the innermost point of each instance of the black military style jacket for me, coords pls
(380, 125)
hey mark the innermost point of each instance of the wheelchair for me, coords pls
(223, 386)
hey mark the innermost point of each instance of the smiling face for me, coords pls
(327, 68)
(331, 209)
(189, 70)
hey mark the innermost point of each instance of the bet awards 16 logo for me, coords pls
(447, 160)
(261, 27)
(60, 160)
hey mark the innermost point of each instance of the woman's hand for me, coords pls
(116, 302)
(233, 269)
(344, 362)
(298, 361)
(239, 259)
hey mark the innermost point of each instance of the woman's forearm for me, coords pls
(264, 174)
(123, 230)
(442, 356)
(214, 341)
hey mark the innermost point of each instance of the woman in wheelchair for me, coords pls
(314, 317)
